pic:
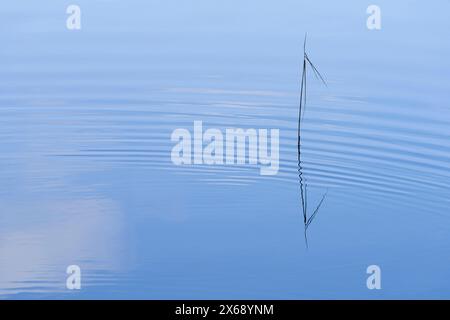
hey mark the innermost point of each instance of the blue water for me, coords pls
(86, 118)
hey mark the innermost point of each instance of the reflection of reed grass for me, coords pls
(302, 107)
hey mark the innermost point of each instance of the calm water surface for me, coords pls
(87, 179)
